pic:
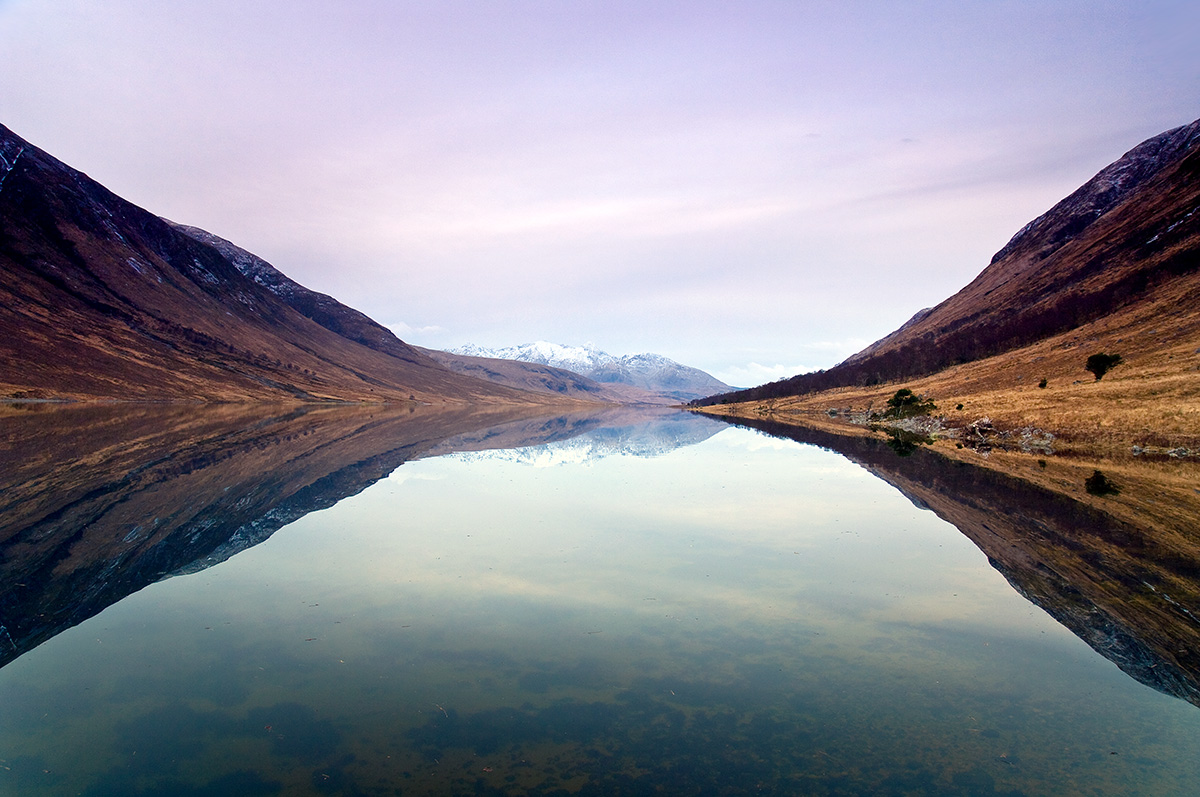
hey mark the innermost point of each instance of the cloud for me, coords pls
(407, 331)
(822, 352)
(721, 181)
(756, 373)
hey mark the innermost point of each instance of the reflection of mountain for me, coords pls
(645, 434)
(1131, 591)
(96, 502)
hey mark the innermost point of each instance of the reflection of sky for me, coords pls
(742, 574)
(741, 529)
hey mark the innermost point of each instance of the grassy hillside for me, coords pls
(1151, 400)
(1117, 244)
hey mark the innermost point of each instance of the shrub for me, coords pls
(906, 404)
(1099, 364)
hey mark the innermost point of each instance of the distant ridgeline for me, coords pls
(651, 372)
(1131, 228)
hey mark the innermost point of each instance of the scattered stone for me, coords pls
(1033, 439)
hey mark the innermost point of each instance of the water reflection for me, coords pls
(96, 502)
(1128, 586)
(737, 614)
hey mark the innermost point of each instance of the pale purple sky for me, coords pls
(752, 188)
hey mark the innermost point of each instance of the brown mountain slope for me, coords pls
(1110, 246)
(1150, 401)
(321, 308)
(350, 323)
(100, 299)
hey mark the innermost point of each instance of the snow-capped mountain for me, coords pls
(647, 371)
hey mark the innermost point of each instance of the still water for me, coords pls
(679, 607)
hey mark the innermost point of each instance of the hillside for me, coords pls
(1124, 246)
(100, 299)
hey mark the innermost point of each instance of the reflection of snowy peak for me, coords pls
(652, 439)
(647, 371)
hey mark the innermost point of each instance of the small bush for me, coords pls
(1043, 383)
(1099, 364)
(906, 404)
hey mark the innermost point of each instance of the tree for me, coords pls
(906, 404)
(1099, 364)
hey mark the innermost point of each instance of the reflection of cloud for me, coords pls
(401, 475)
(758, 442)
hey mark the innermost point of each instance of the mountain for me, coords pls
(650, 372)
(100, 299)
(547, 379)
(1126, 239)
(350, 323)
(323, 309)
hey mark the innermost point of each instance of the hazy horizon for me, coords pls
(752, 189)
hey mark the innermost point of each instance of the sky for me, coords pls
(752, 188)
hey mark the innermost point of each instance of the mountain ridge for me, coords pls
(103, 300)
(1131, 228)
(650, 372)
(546, 378)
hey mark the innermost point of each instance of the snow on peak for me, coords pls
(648, 371)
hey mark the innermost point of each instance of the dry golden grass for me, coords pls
(1152, 399)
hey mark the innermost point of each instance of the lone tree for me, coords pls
(906, 404)
(1099, 364)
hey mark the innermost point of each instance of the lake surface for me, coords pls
(648, 605)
